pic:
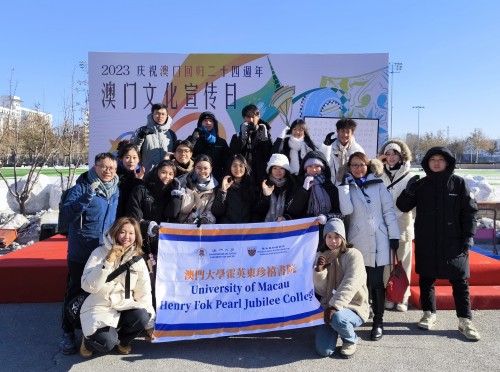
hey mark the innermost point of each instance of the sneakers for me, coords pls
(389, 305)
(84, 352)
(402, 306)
(347, 350)
(68, 345)
(466, 327)
(428, 321)
(124, 350)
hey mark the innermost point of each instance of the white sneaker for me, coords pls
(428, 321)
(466, 327)
(402, 306)
(389, 305)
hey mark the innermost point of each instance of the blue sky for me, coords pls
(449, 49)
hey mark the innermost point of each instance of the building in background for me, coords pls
(11, 105)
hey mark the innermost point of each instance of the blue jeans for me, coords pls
(342, 325)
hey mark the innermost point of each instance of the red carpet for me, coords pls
(36, 273)
(484, 285)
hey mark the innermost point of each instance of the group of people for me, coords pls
(364, 208)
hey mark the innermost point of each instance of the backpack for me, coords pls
(63, 223)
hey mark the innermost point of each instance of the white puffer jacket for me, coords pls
(102, 307)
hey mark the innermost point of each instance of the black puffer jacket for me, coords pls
(237, 204)
(218, 151)
(152, 201)
(445, 222)
(298, 205)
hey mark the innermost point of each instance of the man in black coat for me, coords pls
(444, 226)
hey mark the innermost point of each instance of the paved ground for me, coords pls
(29, 336)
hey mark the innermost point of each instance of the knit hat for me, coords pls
(334, 225)
(312, 161)
(278, 160)
(392, 146)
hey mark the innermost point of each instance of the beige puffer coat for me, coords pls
(102, 307)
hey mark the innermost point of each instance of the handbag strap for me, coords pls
(120, 269)
(399, 179)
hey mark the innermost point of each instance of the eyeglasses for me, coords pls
(358, 165)
(104, 168)
(179, 151)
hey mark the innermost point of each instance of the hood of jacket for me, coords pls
(208, 115)
(405, 150)
(316, 155)
(160, 128)
(439, 150)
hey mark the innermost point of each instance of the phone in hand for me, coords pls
(269, 183)
(229, 179)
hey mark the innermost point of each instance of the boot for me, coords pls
(378, 302)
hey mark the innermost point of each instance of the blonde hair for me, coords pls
(114, 231)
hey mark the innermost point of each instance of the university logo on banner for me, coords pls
(222, 280)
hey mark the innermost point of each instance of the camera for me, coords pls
(269, 183)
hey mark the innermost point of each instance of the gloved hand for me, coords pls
(329, 138)
(153, 229)
(284, 132)
(178, 193)
(321, 264)
(244, 132)
(412, 185)
(144, 131)
(394, 244)
(92, 189)
(115, 253)
(308, 182)
(197, 133)
(327, 315)
(322, 219)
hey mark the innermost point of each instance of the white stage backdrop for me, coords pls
(222, 280)
(123, 86)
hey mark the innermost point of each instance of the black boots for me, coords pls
(378, 300)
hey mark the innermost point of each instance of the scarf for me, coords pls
(211, 136)
(341, 152)
(298, 149)
(335, 274)
(106, 189)
(276, 202)
(319, 200)
(204, 184)
(184, 168)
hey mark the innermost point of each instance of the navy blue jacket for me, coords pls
(89, 216)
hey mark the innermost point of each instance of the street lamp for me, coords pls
(418, 125)
(396, 68)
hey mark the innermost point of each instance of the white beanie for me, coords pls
(392, 146)
(334, 225)
(278, 160)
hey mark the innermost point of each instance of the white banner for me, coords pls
(222, 280)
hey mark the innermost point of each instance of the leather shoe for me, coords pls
(377, 332)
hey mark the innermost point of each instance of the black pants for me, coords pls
(73, 288)
(130, 325)
(375, 277)
(460, 295)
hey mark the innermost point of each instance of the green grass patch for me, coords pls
(50, 172)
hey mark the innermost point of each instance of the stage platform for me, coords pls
(38, 274)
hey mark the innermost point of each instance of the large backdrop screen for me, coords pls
(284, 87)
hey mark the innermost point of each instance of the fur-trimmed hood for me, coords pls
(405, 150)
(375, 166)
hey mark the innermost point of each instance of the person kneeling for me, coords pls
(117, 309)
(340, 280)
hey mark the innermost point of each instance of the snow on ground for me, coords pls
(43, 204)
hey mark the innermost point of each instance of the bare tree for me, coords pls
(492, 149)
(31, 134)
(457, 147)
(73, 131)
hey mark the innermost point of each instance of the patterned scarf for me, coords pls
(319, 200)
(106, 189)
